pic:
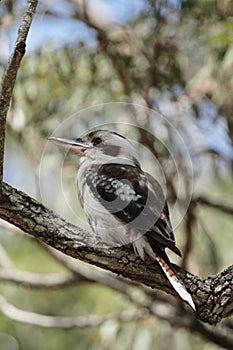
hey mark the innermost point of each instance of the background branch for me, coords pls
(17, 314)
(34, 280)
(210, 203)
(157, 310)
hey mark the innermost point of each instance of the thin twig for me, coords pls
(11, 73)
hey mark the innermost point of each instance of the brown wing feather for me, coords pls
(162, 231)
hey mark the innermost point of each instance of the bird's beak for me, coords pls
(75, 146)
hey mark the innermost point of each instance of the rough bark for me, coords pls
(213, 295)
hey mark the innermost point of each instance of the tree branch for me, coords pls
(188, 322)
(11, 72)
(213, 296)
(20, 315)
(209, 203)
(33, 280)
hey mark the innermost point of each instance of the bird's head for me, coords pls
(100, 146)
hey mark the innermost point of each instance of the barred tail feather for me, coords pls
(175, 282)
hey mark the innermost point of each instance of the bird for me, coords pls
(122, 203)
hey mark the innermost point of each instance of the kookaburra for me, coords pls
(123, 204)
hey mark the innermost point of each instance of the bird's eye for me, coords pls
(96, 141)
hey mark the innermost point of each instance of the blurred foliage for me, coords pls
(174, 56)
